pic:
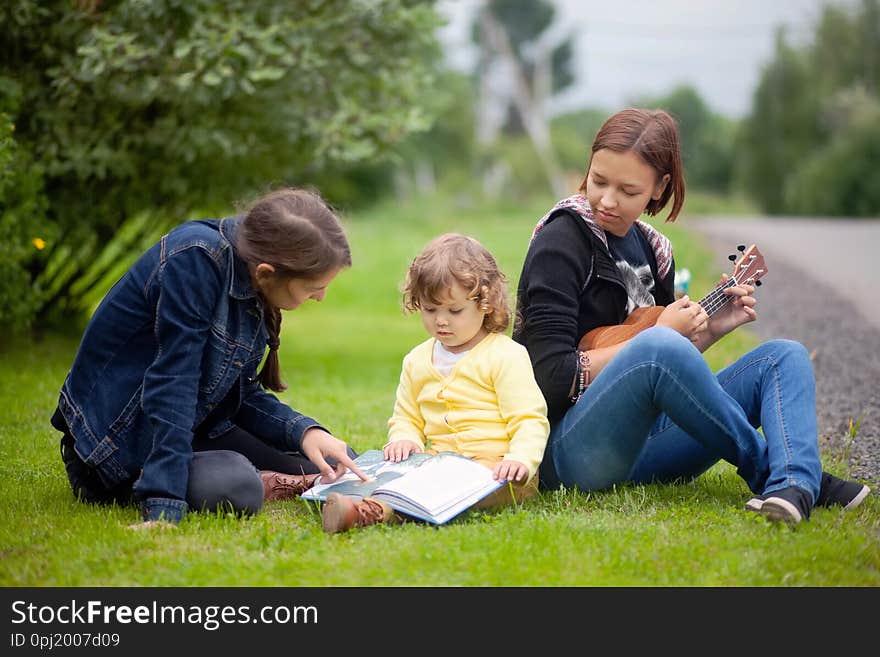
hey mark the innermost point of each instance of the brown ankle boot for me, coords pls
(341, 513)
(279, 486)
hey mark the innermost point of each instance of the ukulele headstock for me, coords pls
(750, 267)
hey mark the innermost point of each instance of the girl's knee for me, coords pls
(789, 348)
(223, 480)
(780, 350)
(661, 343)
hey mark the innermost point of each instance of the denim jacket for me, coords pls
(176, 341)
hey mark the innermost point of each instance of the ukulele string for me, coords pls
(716, 299)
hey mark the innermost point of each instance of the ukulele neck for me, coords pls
(716, 299)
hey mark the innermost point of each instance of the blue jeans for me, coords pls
(656, 412)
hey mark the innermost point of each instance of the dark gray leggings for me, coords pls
(219, 480)
(223, 480)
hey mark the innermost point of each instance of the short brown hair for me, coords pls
(653, 136)
(454, 258)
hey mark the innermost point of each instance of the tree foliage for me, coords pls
(842, 177)
(23, 202)
(129, 108)
(810, 144)
(448, 149)
(707, 138)
(782, 129)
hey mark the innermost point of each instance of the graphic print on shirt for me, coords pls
(639, 282)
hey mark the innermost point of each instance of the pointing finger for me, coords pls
(350, 464)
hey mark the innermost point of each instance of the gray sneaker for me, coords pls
(790, 505)
(833, 491)
(840, 492)
(755, 503)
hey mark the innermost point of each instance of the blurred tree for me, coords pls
(846, 51)
(573, 134)
(139, 112)
(516, 45)
(782, 129)
(706, 138)
(810, 142)
(447, 149)
(842, 177)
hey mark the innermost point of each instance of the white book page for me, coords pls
(441, 483)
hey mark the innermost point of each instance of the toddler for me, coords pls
(468, 388)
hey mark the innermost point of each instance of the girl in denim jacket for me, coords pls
(164, 404)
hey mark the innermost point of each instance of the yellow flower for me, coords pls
(39, 243)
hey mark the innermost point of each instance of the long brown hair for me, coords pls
(454, 258)
(653, 136)
(298, 233)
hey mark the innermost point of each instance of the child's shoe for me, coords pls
(279, 486)
(341, 513)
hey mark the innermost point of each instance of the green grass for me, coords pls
(341, 360)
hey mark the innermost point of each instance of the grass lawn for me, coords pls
(341, 360)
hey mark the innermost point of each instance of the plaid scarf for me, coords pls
(578, 203)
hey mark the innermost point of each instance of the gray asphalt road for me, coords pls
(844, 254)
(822, 279)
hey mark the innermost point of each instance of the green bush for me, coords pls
(806, 148)
(842, 177)
(23, 230)
(168, 108)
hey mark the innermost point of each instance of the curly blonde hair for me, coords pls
(454, 258)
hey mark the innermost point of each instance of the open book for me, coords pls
(431, 487)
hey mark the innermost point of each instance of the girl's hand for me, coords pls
(317, 445)
(400, 450)
(510, 471)
(736, 313)
(685, 316)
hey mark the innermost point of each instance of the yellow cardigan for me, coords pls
(489, 408)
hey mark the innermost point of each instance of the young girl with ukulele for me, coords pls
(648, 408)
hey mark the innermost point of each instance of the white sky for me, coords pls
(629, 48)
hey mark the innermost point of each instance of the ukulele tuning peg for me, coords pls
(757, 283)
(731, 257)
(741, 248)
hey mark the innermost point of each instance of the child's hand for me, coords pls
(400, 450)
(510, 471)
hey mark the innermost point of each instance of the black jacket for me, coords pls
(569, 285)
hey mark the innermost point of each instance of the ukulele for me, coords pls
(748, 269)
